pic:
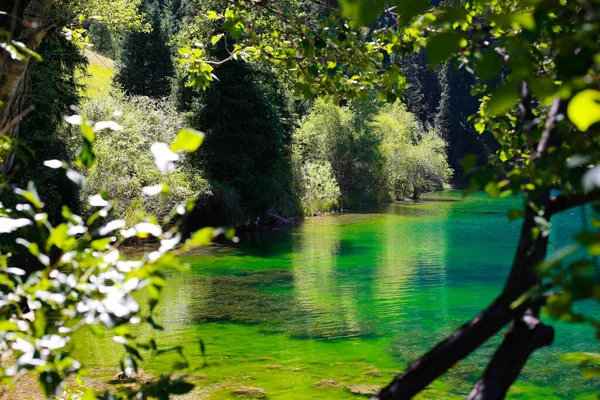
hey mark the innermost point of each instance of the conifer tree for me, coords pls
(246, 149)
(146, 65)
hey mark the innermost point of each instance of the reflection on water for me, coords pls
(343, 295)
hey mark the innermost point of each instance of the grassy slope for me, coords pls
(98, 80)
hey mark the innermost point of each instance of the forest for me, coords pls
(283, 173)
(296, 156)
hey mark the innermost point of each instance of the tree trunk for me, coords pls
(26, 23)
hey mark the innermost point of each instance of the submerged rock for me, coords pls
(374, 374)
(327, 383)
(250, 392)
(365, 390)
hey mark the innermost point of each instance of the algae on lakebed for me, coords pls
(350, 298)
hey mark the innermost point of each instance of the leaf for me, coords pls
(544, 225)
(559, 304)
(591, 179)
(164, 158)
(188, 140)
(503, 98)
(492, 189)
(39, 323)
(180, 387)
(54, 164)
(489, 65)
(212, 15)
(410, 8)
(468, 162)
(202, 237)
(57, 237)
(6, 326)
(76, 177)
(584, 109)
(441, 46)
(555, 259)
(215, 39)
(8, 225)
(361, 12)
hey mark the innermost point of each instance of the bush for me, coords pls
(125, 165)
(342, 138)
(415, 159)
(317, 187)
(365, 153)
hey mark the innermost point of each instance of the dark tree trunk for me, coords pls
(26, 23)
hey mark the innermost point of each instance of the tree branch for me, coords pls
(526, 335)
(453, 349)
(565, 202)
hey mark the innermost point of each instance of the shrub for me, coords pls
(317, 187)
(415, 159)
(125, 164)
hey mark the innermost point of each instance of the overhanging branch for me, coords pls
(565, 202)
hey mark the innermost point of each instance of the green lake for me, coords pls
(353, 298)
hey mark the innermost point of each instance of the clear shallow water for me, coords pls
(354, 298)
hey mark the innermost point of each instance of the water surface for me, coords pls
(354, 297)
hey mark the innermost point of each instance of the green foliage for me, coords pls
(145, 65)
(337, 138)
(125, 165)
(416, 160)
(365, 153)
(103, 40)
(317, 187)
(84, 281)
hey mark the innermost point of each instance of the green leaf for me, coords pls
(559, 304)
(202, 237)
(468, 162)
(492, 189)
(410, 8)
(88, 132)
(212, 15)
(57, 237)
(584, 109)
(180, 387)
(555, 259)
(441, 46)
(188, 140)
(215, 39)
(503, 98)
(361, 12)
(489, 65)
(6, 326)
(40, 323)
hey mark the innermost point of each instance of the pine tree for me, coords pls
(146, 65)
(245, 154)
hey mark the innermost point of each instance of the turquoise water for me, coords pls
(353, 298)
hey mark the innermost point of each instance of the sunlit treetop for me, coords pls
(119, 14)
